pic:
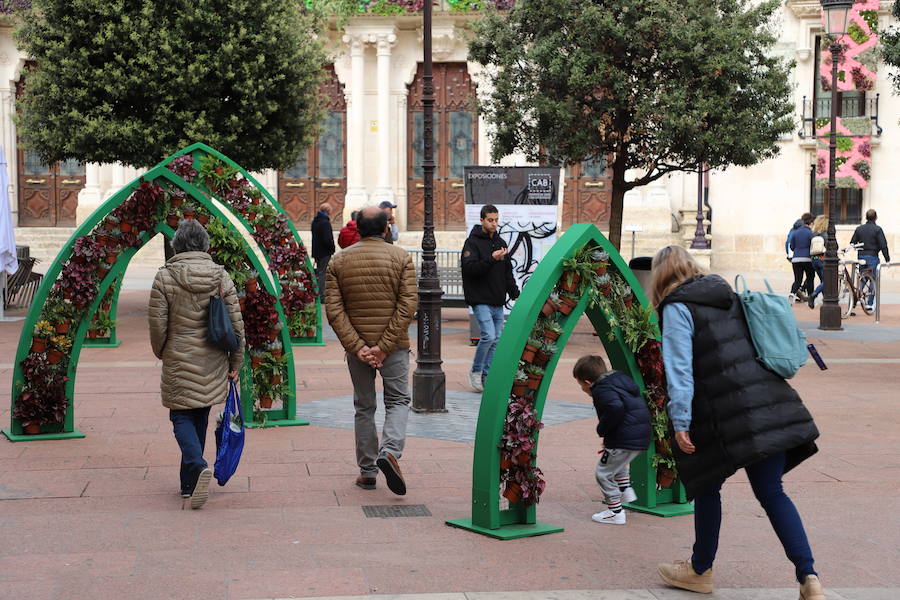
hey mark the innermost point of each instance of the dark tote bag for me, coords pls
(219, 329)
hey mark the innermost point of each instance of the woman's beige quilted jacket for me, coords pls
(195, 373)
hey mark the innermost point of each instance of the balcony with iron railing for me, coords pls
(859, 116)
(413, 7)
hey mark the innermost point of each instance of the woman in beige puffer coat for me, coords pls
(195, 373)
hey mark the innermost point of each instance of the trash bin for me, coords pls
(640, 266)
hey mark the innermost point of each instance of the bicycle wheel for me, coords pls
(866, 290)
(845, 297)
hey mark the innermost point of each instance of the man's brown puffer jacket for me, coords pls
(195, 373)
(371, 295)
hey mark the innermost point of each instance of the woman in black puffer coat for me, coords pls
(728, 412)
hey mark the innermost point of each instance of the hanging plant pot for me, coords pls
(570, 281)
(541, 359)
(172, 221)
(663, 447)
(93, 333)
(31, 429)
(567, 305)
(520, 389)
(505, 461)
(62, 327)
(628, 301)
(664, 477)
(265, 401)
(512, 492)
(188, 214)
(111, 257)
(125, 227)
(202, 219)
(276, 379)
(251, 285)
(255, 361)
(276, 354)
(38, 345)
(54, 356)
(534, 381)
(528, 353)
(177, 201)
(549, 308)
(606, 289)
(600, 269)
(311, 332)
(273, 335)
(254, 201)
(551, 335)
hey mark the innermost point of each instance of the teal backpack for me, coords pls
(780, 345)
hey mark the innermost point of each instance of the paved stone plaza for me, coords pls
(100, 517)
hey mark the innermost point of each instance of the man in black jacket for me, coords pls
(487, 280)
(322, 245)
(873, 240)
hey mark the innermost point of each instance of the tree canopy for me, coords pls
(656, 85)
(135, 80)
(890, 47)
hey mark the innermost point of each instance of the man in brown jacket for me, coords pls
(370, 299)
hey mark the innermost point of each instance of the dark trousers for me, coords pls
(819, 268)
(189, 426)
(321, 265)
(802, 269)
(765, 479)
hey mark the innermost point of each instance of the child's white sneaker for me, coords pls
(608, 516)
(629, 495)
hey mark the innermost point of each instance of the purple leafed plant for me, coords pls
(10, 6)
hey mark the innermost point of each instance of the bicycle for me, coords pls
(855, 285)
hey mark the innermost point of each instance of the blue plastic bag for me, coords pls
(229, 436)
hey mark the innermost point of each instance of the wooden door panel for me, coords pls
(588, 194)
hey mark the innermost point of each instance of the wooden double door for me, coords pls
(455, 145)
(587, 194)
(320, 174)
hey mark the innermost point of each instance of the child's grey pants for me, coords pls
(613, 464)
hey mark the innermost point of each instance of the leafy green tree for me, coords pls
(890, 47)
(657, 85)
(135, 80)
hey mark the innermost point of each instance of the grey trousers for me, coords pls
(321, 266)
(395, 377)
(613, 465)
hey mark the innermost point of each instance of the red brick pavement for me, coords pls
(100, 517)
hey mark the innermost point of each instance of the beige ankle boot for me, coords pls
(681, 574)
(811, 589)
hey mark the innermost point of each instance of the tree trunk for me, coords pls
(618, 201)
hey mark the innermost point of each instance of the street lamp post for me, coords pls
(700, 242)
(429, 382)
(836, 25)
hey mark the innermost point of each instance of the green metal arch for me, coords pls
(286, 416)
(519, 520)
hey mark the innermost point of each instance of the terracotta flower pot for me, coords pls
(505, 461)
(528, 353)
(242, 303)
(512, 492)
(172, 221)
(177, 201)
(665, 477)
(54, 356)
(311, 332)
(534, 381)
(551, 335)
(519, 389)
(273, 335)
(628, 300)
(125, 227)
(600, 269)
(251, 285)
(255, 361)
(523, 459)
(663, 447)
(78, 260)
(62, 327)
(202, 219)
(254, 201)
(111, 257)
(606, 289)
(541, 358)
(188, 214)
(31, 429)
(265, 401)
(567, 305)
(276, 379)
(108, 225)
(570, 281)
(102, 271)
(276, 354)
(38, 345)
(549, 308)
(67, 294)
(93, 333)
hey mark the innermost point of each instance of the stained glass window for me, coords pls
(418, 142)
(331, 147)
(461, 143)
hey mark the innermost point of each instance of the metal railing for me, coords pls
(852, 107)
(878, 287)
(449, 272)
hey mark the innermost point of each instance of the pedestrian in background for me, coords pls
(817, 253)
(728, 412)
(370, 299)
(348, 234)
(322, 244)
(487, 281)
(801, 260)
(388, 208)
(194, 372)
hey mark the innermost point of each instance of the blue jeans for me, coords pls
(765, 479)
(490, 320)
(819, 266)
(189, 426)
(871, 263)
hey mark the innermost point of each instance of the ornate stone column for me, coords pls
(8, 139)
(118, 180)
(356, 190)
(89, 198)
(384, 191)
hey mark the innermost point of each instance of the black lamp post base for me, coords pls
(429, 391)
(830, 317)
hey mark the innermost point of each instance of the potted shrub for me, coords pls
(546, 351)
(551, 305)
(251, 284)
(125, 227)
(665, 470)
(534, 374)
(60, 345)
(627, 295)
(111, 222)
(520, 383)
(42, 332)
(552, 330)
(567, 302)
(577, 272)
(512, 492)
(188, 211)
(256, 357)
(600, 258)
(275, 349)
(172, 220)
(531, 346)
(274, 330)
(604, 284)
(638, 327)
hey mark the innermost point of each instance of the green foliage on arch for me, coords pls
(95, 258)
(630, 338)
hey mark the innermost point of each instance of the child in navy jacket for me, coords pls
(623, 427)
